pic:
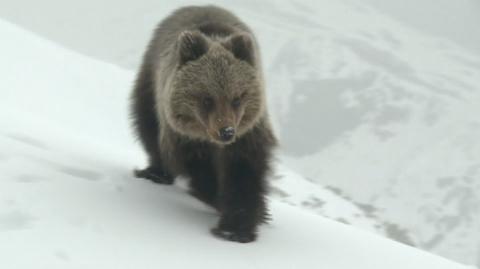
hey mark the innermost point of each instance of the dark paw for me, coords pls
(236, 236)
(154, 175)
(265, 218)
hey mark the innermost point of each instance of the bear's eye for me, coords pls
(236, 102)
(207, 103)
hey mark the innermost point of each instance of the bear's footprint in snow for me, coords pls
(15, 220)
(27, 140)
(80, 173)
(27, 178)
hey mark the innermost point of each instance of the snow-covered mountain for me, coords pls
(381, 113)
(68, 200)
(388, 117)
(380, 120)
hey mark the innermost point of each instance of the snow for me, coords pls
(396, 120)
(68, 200)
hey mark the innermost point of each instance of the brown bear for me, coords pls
(199, 109)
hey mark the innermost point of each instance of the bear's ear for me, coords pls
(241, 45)
(191, 46)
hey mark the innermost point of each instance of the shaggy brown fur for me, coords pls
(199, 110)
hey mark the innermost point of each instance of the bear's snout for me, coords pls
(226, 133)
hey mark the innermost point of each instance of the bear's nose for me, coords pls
(226, 133)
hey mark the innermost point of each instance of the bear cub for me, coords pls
(199, 110)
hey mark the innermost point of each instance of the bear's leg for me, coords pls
(242, 198)
(147, 128)
(155, 170)
(203, 180)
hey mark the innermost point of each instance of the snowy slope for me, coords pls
(396, 120)
(68, 199)
(379, 113)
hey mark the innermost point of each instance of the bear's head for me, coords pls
(217, 89)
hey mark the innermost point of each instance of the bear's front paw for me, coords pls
(236, 236)
(154, 175)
